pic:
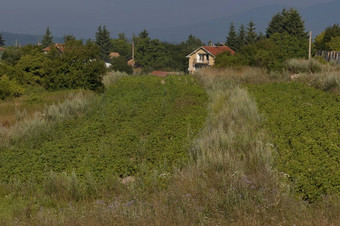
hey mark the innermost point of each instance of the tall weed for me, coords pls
(26, 127)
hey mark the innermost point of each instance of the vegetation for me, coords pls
(77, 67)
(304, 123)
(47, 39)
(138, 124)
(120, 64)
(103, 40)
(286, 39)
(229, 178)
(232, 37)
(287, 21)
(2, 41)
(328, 39)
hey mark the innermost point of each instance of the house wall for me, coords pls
(195, 56)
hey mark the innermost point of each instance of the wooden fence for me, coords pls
(330, 56)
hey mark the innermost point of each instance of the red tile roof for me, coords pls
(2, 48)
(159, 73)
(215, 50)
(58, 46)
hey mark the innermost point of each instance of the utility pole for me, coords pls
(310, 46)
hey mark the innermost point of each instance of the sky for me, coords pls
(82, 17)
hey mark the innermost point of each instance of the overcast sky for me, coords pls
(82, 17)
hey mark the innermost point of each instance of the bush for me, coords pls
(120, 64)
(9, 88)
(11, 55)
(226, 59)
(303, 66)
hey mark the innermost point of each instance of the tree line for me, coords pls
(285, 38)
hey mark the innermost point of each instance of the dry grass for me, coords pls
(28, 126)
(34, 101)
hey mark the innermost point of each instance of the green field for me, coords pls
(137, 125)
(304, 124)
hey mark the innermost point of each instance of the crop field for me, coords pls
(304, 125)
(140, 123)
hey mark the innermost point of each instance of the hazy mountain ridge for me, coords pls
(23, 39)
(317, 17)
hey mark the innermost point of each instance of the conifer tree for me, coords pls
(103, 40)
(241, 37)
(232, 37)
(288, 21)
(2, 41)
(251, 35)
(47, 39)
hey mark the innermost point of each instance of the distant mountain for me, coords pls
(317, 18)
(23, 39)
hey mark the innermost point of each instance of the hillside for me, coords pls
(24, 39)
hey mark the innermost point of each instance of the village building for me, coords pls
(114, 55)
(205, 56)
(58, 46)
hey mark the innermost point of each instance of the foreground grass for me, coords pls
(228, 180)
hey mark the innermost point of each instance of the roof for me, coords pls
(214, 50)
(159, 73)
(2, 48)
(114, 54)
(58, 46)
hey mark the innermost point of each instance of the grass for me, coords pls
(34, 100)
(229, 178)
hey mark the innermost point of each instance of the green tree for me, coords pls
(103, 40)
(122, 47)
(232, 37)
(287, 21)
(11, 55)
(251, 35)
(2, 41)
(334, 44)
(150, 53)
(144, 34)
(47, 39)
(69, 38)
(322, 40)
(122, 36)
(241, 37)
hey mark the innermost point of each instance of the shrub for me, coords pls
(9, 88)
(120, 64)
(303, 66)
(11, 55)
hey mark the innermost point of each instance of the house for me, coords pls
(205, 56)
(59, 46)
(114, 55)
